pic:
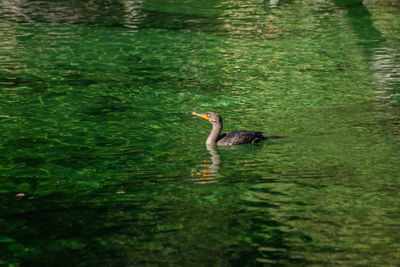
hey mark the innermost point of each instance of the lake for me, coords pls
(102, 163)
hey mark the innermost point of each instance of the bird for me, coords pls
(230, 138)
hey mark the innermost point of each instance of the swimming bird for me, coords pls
(231, 138)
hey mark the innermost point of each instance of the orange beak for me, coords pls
(201, 115)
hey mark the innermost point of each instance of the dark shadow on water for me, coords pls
(381, 55)
(360, 20)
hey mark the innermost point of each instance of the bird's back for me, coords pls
(239, 137)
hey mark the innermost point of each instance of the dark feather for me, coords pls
(240, 137)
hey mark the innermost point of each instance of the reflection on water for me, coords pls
(384, 59)
(208, 172)
(102, 165)
(386, 68)
(132, 14)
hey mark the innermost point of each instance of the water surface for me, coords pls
(103, 164)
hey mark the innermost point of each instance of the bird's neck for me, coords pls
(213, 137)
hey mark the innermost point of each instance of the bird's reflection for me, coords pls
(208, 171)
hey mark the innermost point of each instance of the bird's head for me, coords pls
(212, 117)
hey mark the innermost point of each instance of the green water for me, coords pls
(102, 163)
